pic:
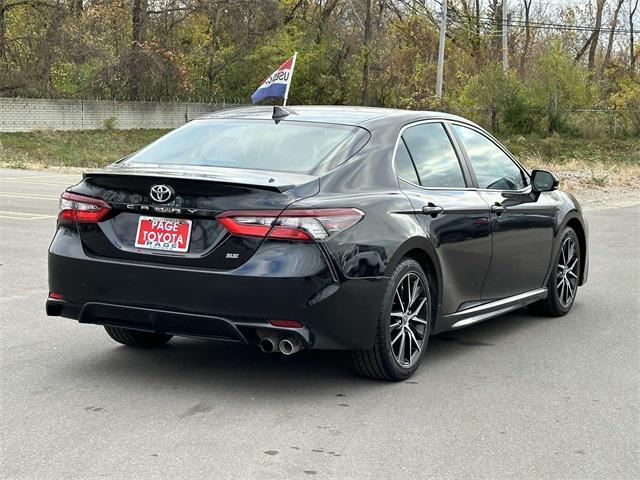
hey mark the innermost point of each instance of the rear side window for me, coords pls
(434, 156)
(493, 168)
(404, 164)
(288, 146)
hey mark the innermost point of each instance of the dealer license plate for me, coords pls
(166, 234)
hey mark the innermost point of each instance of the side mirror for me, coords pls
(544, 181)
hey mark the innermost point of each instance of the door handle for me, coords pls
(433, 210)
(498, 209)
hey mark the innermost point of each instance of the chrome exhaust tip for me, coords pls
(269, 344)
(289, 346)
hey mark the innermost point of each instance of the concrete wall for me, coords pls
(27, 114)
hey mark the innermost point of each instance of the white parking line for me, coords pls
(23, 215)
(31, 196)
(36, 177)
(61, 184)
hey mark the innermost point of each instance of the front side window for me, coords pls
(434, 156)
(493, 168)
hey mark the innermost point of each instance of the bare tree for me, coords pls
(477, 40)
(632, 54)
(325, 11)
(367, 51)
(527, 34)
(495, 13)
(138, 14)
(592, 41)
(614, 24)
(2, 11)
(478, 18)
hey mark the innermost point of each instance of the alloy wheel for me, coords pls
(408, 322)
(567, 272)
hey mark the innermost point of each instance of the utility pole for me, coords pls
(443, 34)
(505, 58)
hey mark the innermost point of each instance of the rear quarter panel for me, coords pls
(367, 182)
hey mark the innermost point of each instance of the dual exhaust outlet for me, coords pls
(285, 345)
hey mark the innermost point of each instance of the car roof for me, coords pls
(336, 114)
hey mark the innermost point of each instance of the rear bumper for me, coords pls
(287, 281)
(155, 320)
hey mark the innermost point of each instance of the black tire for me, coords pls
(135, 338)
(381, 362)
(553, 305)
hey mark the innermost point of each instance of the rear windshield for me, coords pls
(288, 146)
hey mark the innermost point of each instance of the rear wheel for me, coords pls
(134, 338)
(404, 325)
(563, 282)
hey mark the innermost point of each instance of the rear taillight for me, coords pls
(74, 207)
(286, 323)
(316, 224)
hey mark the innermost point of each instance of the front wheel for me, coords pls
(562, 285)
(135, 338)
(404, 325)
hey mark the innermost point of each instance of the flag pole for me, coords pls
(286, 92)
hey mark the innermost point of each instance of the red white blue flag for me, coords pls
(277, 84)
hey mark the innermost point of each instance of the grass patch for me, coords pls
(89, 148)
(558, 150)
(599, 163)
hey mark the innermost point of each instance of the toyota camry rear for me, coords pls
(315, 227)
(203, 234)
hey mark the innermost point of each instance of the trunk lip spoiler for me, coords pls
(260, 179)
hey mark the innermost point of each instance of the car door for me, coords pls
(521, 221)
(454, 217)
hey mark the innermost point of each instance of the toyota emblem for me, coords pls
(161, 193)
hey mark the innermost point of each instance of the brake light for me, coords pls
(305, 225)
(82, 209)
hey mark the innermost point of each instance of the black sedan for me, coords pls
(349, 228)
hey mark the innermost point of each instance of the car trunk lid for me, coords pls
(197, 196)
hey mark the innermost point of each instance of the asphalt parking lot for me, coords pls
(516, 397)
